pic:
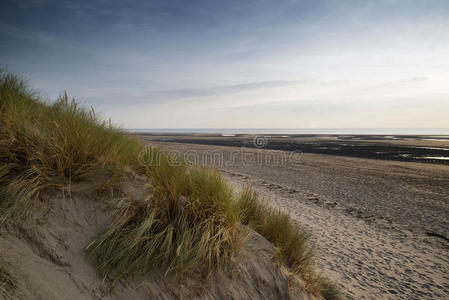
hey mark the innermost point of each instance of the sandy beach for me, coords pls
(381, 226)
(224, 150)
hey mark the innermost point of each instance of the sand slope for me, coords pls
(49, 261)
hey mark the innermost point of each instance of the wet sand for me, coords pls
(382, 227)
(423, 149)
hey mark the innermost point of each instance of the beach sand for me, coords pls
(381, 227)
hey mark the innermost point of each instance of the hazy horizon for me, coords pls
(233, 64)
(336, 131)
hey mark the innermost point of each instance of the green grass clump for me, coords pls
(329, 290)
(293, 243)
(45, 145)
(189, 221)
(294, 246)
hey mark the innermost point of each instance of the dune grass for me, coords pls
(189, 220)
(328, 289)
(44, 146)
(293, 243)
(294, 246)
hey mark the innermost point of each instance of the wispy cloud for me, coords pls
(219, 90)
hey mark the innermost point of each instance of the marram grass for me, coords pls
(44, 146)
(189, 221)
(293, 244)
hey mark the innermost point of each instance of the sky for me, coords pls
(237, 64)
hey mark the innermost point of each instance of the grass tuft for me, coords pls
(188, 222)
(44, 146)
(329, 290)
(293, 243)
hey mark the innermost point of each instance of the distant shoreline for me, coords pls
(299, 131)
(409, 148)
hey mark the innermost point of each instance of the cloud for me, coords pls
(16, 32)
(219, 90)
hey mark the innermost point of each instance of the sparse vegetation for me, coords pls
(329, 290)
(293, 243)
(189, 220)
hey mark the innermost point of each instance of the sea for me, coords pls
(339, 131)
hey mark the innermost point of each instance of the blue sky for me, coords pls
(228, 64)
